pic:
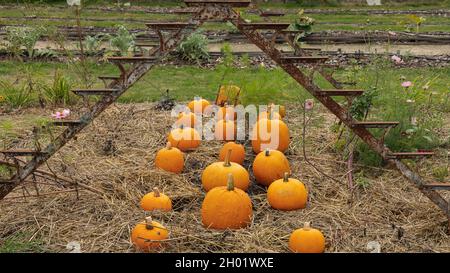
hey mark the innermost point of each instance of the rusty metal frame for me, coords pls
(226, 13)
(123, 85)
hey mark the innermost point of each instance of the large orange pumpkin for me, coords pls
(215, 175)
(198, 105)
(187, 120)
(287, 194)
(226, 129)
(184, 138)
(237, 152)
(307, 240)
(156, 200)
(271, 134)
(226, 207)
(170, 159)
(269, 166)
(147, 235)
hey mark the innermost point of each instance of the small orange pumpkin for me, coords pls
(187, 120)
(270, 133)
(287, 194)
(226, 129)
(184, 138)
(156, 200)
(281, 109)
(147, 235)
(215, 175)
(170, 159)
(307, 240)
(226, 207)
(198, 105)
(237, 152)
(269, 166)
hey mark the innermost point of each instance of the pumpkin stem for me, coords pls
(286, 177)
(182, 126)
(148, 222)
(156, 192)
(267, 152)
(230, 183)
(227, 158)
(307, 225)
(168, 145)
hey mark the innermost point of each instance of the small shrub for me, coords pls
(123, 40)
(194, 48)
(440, 173)
(19, 37)
(15, 95)
(59, 91)
(92, 44)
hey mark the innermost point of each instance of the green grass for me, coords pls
(20, 242)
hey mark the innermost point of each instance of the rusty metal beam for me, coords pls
(134, 75)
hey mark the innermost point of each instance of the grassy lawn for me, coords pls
(260, 85)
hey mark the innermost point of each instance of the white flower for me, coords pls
(410, 101)
(128, 4)
(74, 2)
(414, 121)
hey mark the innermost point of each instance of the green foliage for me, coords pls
(58, 92)
(361, 105)
(302, 23)
(15, 95)
(122, 40)
(361, 180)
(45, 53)
(20, 242)
(18, 37)
(92, 44)
(441, 173)
(194, 48)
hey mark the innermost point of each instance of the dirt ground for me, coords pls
(114, 157)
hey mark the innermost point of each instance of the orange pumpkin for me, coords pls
(215, 175)
(187, 120)
(156, 200)
(147, 235)
(237, 152)
(269, 115)
(226, 129)
(307, 240)
(281, 109)
(287, 194)
(226, 207)
(270, 133)
(184, 138)
(198, 105)
(170, 159)
(269, 166)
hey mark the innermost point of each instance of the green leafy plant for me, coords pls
(58, 92)
(15, 95)
(440, 173)
(92, 44)
(194, 48)
(304, 24)
(18, 37)
(122, 40)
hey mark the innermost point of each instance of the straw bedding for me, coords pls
(114, 158)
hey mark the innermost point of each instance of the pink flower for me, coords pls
(406, 84)
(396, 59)
(61, 115)
(309, 104)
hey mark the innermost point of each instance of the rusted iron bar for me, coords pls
(119, 87)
